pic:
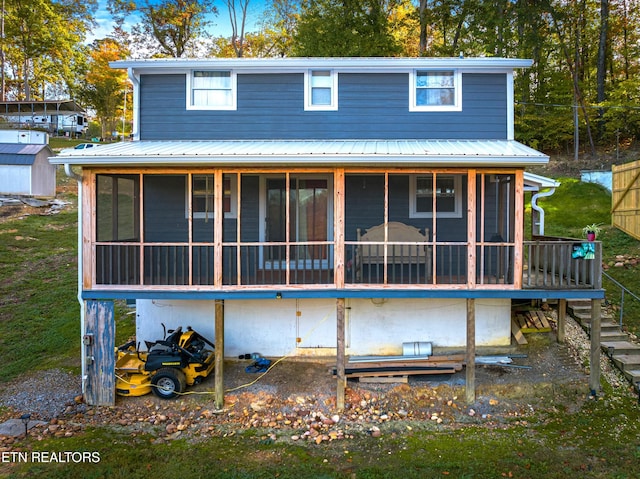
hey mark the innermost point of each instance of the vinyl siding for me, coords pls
(271, 106)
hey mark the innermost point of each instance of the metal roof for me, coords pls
(326, 153)
(534, 182)
(359, 64)
(40, 106)
(20, 153)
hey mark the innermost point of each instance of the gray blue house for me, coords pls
(317, 207)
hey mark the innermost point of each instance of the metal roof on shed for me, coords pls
(326, 153)
(20, 153)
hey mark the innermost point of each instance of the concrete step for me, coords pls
(633, 376)
(614, 335)
(605, 325)
(620, 347)
(627, 362)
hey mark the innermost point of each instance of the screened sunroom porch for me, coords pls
(330, 228)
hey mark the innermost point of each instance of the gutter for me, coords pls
(83, 356)
(135, 80)
(535, 206)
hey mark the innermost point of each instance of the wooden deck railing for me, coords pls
(561, 263)
(548, 263)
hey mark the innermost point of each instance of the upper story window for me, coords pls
(447, 190)
(435, 90)
(211, 90)
(321, 90)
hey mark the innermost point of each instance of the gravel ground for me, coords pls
(45, 394)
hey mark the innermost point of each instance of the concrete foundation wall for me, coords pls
(307, 327)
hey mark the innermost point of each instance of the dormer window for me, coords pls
(435, 90)
(211, 90)
(321, 90)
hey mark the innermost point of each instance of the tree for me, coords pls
(43, 37)
(168, 27)
(237, 24)
(347, 28)
(105, 87)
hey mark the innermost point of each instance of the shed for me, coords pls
(25, 170)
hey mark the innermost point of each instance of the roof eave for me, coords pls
(341, 64)
(303, 161)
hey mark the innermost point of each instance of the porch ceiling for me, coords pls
(319, 153)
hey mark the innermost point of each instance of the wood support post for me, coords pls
(219, 354)
(562, 316)
(594, 362)
(470, 369)
(98, 342)
(340, 355)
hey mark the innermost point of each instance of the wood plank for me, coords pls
(419, 372)
(517, 333)
(395, 359)
(99, 345)
(562, 313)
(219, 357)
(384, 379)
(341, 383)
(518, 258)
(398, 364)
(545, 321)
(470, 371)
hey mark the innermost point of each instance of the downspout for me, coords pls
(535, 206)
(83, 357)
(135, 80)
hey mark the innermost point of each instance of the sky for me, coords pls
(220, 24)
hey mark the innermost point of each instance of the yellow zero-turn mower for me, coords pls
(167, 367)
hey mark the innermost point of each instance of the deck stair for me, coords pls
(624, 354)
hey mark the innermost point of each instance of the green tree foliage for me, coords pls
(167, 28)
(43, 45)
(347, 28)
(104, 88)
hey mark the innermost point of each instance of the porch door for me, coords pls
(308, 218)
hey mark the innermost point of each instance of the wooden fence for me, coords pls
(625, 211)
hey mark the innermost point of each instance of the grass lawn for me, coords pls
(39, 329)
(600, 440)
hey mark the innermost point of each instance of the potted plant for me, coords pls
(591, 232)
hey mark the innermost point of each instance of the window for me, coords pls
(321, 90)
(448, 196)
(202, 196)
(435, 90)
(214, 90)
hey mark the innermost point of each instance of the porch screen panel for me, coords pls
(409, 258)
(297, 221)
(364, 209)
(117, 210)
(117, 229)
(495, 228)
(446, 193)
(202, 228)
(166, 230)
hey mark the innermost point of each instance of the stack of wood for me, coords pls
(398, 368)
(524, 322)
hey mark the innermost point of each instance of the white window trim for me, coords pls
(234, 91)
(457, 213)
(232, 213)
(457, 85)
(334, 91)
